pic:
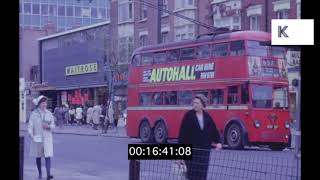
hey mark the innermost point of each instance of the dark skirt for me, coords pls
(197, 167)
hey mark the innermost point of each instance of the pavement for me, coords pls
(82, 158)
(84, 130)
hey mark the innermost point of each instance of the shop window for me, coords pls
(184, 97)
(233, 95)
(145, 98)
(217, 96)
(157, 98)
(170, 98)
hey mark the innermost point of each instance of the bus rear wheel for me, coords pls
(160, 133)
(235, 136)
(145, 132)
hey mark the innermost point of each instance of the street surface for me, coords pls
(99, 158)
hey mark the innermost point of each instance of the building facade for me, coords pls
(172, 28)
(73, 66)
(39, 18)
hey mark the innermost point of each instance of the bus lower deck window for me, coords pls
(145, 99)
(170, 98)
(217, 96)
(233, 95)
(185, 97)
(158, 98)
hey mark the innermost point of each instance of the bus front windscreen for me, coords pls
(264, 96)
(261, 96)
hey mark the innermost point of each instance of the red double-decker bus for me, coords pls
(244, 78)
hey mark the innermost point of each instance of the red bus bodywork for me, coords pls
(228, 71)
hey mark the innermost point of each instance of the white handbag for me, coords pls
(37, 138)
(179, 170)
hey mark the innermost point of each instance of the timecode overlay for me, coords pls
(159, 151)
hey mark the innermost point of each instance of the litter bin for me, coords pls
(21, 156)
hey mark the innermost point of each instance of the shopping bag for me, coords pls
(179, 170)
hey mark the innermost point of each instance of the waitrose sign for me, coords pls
(81, 69)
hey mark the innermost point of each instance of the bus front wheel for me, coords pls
(235, 136)
(145, 132)
(160, 133)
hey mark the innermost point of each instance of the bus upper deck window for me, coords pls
(160, 57)
(146, 59)
(220, 50)
(203, 52)
(278, 52)
(187, 54)
(136, 60)
(237, 48)
(256, 48)
(173, 55)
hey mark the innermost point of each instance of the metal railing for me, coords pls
(222, 165)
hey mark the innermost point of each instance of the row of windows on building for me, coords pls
(234, 48)
(102, 12)
(63, 17)
(215, 96)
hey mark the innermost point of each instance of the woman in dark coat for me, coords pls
(197, 128)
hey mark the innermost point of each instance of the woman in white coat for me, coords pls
(40, 128)
(96, 112)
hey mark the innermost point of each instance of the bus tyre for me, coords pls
(160, 133)
(235, 136)
(145, 132)
(277, 147)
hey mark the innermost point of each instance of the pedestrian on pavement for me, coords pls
(79, 112)
(72, 113)
(111, 114)
(197, 128)
(58, 113)
(116, 115)
(66, 114)
(96, 116)
(84, 114)
(40, 131)
(89, 115)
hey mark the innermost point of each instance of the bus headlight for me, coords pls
(287, 125)
(257, 123)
